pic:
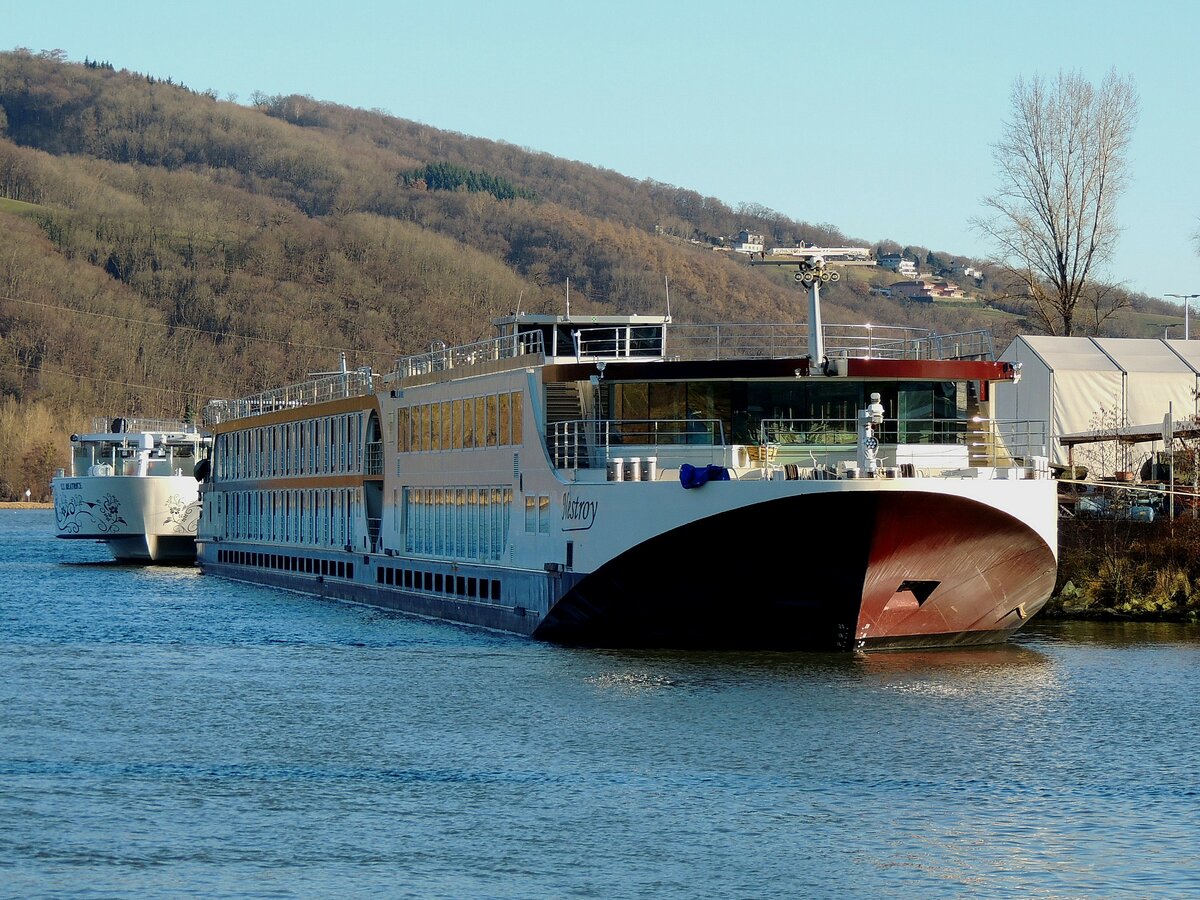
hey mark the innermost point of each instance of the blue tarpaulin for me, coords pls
(697, 476)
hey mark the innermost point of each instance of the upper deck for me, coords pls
(533, 340)
(129, 446)
(526, 340)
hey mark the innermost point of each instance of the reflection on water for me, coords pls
(162, 733)
(1117, 634)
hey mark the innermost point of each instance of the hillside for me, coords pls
(161, 247)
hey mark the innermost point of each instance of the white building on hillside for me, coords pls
(748, 243)
(901, 265)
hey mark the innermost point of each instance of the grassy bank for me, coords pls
(1128, 570)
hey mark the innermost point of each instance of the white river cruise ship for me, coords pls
(626, 481)
(131, 486)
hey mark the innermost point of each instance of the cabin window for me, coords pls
(447, 426)
(518, 434)
(497, 524)
(435, 426)
(472, 551)
(493, 427)
(480, 422)
(460, 521)
(468, 426)
(505, 421)
(456, 430)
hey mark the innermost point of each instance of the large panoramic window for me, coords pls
(827, 408)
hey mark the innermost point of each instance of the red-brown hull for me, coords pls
(985, 573)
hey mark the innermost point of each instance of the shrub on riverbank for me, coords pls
(1123, 569)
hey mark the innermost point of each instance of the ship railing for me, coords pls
(618, 342)
(119, 424)
(964, 345)
(373, 458)
(970, 442)
(595, 443)
(337, 386)
(790, 340)
(442, 363)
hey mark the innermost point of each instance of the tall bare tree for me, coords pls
(1062, 165)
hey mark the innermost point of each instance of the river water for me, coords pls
(164, 733)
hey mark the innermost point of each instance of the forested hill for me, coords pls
(159, 247)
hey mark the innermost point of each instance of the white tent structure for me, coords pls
(1076, 384)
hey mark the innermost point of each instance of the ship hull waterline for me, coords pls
(828, 571)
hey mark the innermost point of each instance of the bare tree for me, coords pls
(1062, 166)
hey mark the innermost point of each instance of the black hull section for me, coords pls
(778, 575)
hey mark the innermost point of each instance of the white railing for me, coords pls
(103, 425)
(700, 342)
(989, 442)
(447, 359)
(766, 341)
(590, 444)
(339, 386)
(619, 341)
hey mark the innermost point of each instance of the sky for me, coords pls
(876, 118)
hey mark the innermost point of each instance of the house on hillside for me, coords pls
(962, 270)
(901, 265)
(748, 243)
(926, 290)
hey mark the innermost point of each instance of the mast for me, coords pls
(816, 335)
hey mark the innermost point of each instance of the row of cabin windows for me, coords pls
(328, 445)
(313, 517)
(463, 522)
(467, 586)
(331, 568)
(494, 420)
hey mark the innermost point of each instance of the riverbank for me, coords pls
(22, 504)
(1127, 570)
